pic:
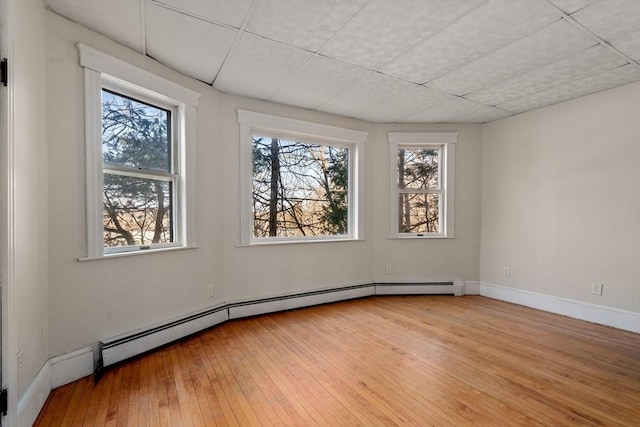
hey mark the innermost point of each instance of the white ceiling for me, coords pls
(384, 60)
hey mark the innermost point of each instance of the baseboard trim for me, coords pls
(32, 401)
(471, 288)
(70, 367)
(617, 318)
(54, 373)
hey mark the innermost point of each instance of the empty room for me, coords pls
(327, 212)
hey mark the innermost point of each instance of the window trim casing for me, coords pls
(251, 122)
(103, 70)
(446, 140)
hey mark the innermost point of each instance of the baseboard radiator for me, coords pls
(117, 349)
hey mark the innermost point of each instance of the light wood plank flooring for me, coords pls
(379, 361)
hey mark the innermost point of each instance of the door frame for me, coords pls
(7, 216)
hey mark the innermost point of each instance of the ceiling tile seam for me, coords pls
(496, 50)
(316, 53)
(466, 99)
(296, 72)
(201, 18)
(50, 9)
(558, 84)
(588, 32)
(239, 34)
(143, 26)
(528, 70)
(354, 87)
(433, 34)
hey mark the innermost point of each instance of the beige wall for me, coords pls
(30, 175)
(561, 199)
(427, 260)
(94, 300)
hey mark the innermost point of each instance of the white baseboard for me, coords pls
(617, 318)
(32, 401)
(471, 288)
(70, 367)
(56, 372)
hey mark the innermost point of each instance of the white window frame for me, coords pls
(280, 127)
(105, 71)
(446, 142)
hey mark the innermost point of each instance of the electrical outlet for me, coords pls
(596, 288)
(506, 272)
(210, 291)
(387, 269)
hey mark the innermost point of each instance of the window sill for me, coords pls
(295, 242)
(416, 237)
(139, 252)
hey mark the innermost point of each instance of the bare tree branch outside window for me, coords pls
(299, 188)
(136, 143)
(419, 190)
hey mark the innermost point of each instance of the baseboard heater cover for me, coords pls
(427, 288)
(306, 299)
(123, 347)
(118, 349)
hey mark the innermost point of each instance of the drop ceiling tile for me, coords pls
(226, 12)
(318, 81)
(486, 29)
(258, 67)
(576, 66)
(574, 89)
(307, 25)
(411, 101)
(610, 19)
(458, 110)
(629, 44)
(550, 43)
(119, 20)
(375, 89)
(570, 6)
(192, 46)
(385, 28)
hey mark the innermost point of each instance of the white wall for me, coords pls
(94, 300)
(30, 157)
(561, 199)
(428, 260)
(253, 272)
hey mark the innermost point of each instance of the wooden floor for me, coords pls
(411, 360)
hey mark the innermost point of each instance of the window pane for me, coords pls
(137, 211)
(135, 134)
(299, 189)
(418, 168)
(419, 213)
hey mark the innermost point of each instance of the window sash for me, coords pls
(252, 123)
(145, 173)
(102, 71)
(349, 218)
(444, 142)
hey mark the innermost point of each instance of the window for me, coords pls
(422, 184)
(139, 150)
(299, 180)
